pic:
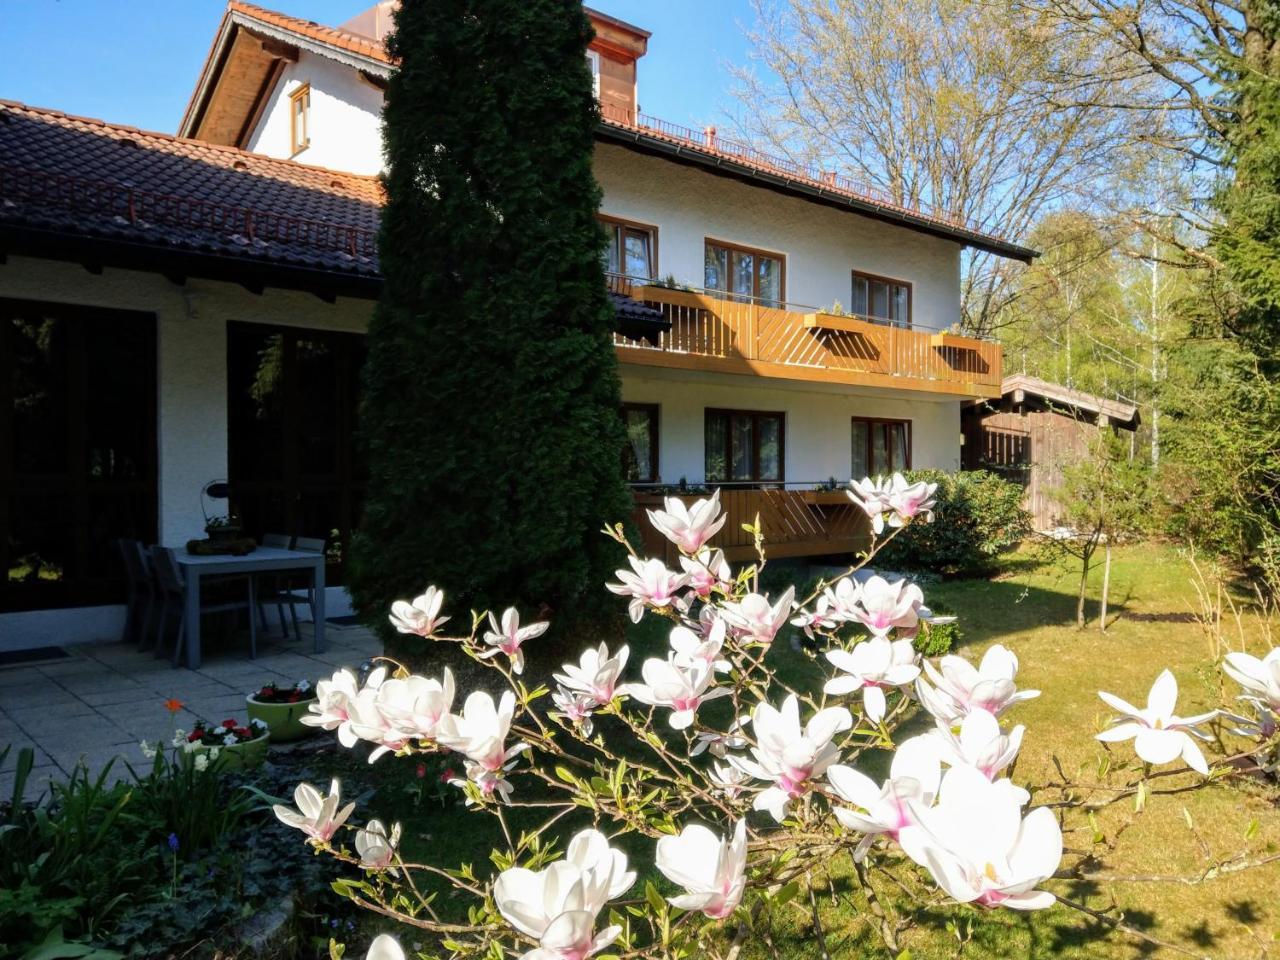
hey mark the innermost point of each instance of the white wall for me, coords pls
(822, 245)
(345, 121)
(818, 434)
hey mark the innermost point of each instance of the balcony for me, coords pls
(712, 333)
(796, 523)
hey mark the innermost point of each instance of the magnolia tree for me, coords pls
(736, 786)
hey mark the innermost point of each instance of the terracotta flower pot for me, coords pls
(238, 756)
(283, 720)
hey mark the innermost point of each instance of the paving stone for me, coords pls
(100, 682)
(75, 667)
(51, 701)
(19, 677)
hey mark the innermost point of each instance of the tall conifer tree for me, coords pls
(490, 413)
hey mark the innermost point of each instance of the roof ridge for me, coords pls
(203, 144)
(256, 11)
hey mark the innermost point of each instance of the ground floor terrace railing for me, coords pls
(796, 523)
(718, 333)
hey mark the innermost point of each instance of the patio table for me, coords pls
(262, 560)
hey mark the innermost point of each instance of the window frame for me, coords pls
(303, 94)
(593, 62)
(617, 226)
(856, 275)
(732, 247)
(653, 411)
(872, 422)
(756, 415)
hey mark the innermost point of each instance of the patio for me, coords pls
(107, 698)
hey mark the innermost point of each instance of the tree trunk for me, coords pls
(1084, 584)
(1106, 585)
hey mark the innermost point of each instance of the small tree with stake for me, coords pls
(1105, 497)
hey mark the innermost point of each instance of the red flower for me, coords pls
(229, 723)
(422, 770)
(294, 697)
(448, 775)
(195, 735)
(243, 732)
(267, 692)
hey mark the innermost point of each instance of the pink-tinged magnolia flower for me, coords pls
(707, 572)
(1261, 678)
(375, 846)
(980, 744)
(479, 733)
(870, 667)
(334, 697)
(754, 620)
(557, 906)
(682, 688)
(712, 869)
(978, 846)
(788, 755)
(417, 705)
(507, 637)
(647, 583)
(727, 779)
(368, 722)
(318, 817)
(721, 743)
(1159, 735)
(689, 649)
(820, 618)
(385, 947)
(873, 498)
(422, 616)
(596, 674)
(910, 500)
(689, 528)
(883, 606)
(576, 708)
(958, 689)
(886, 810)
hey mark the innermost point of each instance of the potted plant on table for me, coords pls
(223, 529)
(282, 708)
(228, 745)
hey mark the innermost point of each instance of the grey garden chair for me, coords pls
(141, 601)
(173, 589)
(274, 587)
(291, 591)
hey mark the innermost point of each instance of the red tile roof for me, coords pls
(333, 36)
(91, 178)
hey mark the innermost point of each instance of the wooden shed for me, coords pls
(1032, 430)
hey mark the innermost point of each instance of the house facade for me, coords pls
(778, 327)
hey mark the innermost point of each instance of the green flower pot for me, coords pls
(240, 756)
(283, 720)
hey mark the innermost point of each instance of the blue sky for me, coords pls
(135, 61)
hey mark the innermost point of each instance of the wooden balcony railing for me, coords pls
(796, 523)
(713, 333)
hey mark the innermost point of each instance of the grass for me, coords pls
(1030, 607)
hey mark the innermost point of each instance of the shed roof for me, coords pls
(1020, 387)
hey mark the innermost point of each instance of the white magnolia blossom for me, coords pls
(375, 846)
(711, 869)
(480, 733)
(788, 755)
(647, 583)
(690, 649)
(870, 667)
(754, 620)
(882, 606)
(1159, 735)
(316, 816)
(727, 780)
(893, 500)
(416, 705)
(719, 744)
(873, 498)
(706, 572)
(980, 743)
(596, 674)
(422, 616)
(958, 689)
(558, 905)
(576, 707)
(1259, 677)
(509, 635)
(887, 810)
(681, 687)
(332, 709)
(978, 846)
(689, 528)
(385, 947)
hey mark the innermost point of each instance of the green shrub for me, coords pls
(978, 516)
(935, 639)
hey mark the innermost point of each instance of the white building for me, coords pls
(177, 310)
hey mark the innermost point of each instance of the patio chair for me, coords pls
(272, 586)
(142, 593)
(293, 591)
(173, 589)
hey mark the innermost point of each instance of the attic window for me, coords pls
(593, 61)
(300, 119)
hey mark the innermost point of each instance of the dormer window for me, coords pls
(300, 119)
(593, 61)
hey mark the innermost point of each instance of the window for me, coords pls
(300, 119)
(880, 447)
(593, 63)
(744, 272)
(77, 451)
(292, 399)
(632, 250)
(640, 457)
(881, 298)
(744, 446)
